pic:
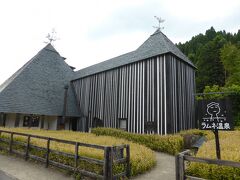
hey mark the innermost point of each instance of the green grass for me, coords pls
(230, 148)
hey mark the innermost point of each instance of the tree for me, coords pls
(204, 51)
(210, 68)
(230, 57)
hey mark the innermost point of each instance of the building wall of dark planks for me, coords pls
(155, 95)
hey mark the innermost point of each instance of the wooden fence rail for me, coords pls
(185, 156)
(112, 155)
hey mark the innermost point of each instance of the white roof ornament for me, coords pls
(52, 37)
(160, 20)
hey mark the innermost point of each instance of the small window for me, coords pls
(26, 121)
(123, 123)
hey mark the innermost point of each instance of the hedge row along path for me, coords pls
(22, 170)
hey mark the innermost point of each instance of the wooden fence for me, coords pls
(113, 155)
(184, 156)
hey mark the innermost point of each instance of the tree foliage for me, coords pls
(230, 57)
(211, 53)
(217, 57)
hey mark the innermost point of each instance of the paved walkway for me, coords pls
(164, 170)
(4, 176)
(13, 168)
(17, 168)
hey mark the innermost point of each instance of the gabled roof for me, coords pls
(38, 87)
(156, 44)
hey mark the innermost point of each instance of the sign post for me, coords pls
(215, 115)
(218, 152)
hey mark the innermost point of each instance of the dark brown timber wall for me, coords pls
(154, 95)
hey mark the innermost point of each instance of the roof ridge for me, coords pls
(158, 43)
(105, 61)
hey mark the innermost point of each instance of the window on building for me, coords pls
(31, 121)
(26, 121)
(42, 122)
(123, 123)
(35, 121)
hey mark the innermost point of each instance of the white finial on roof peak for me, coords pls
(160, 20)
(52, 37)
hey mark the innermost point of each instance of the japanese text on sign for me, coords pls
(214, 115)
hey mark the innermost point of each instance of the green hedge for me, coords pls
(171, 144)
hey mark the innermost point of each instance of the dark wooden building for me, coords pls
(33, 97)
(149, 90)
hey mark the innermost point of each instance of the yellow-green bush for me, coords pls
(207, 134)
(230, 148)
(141, 159)
(171, 144)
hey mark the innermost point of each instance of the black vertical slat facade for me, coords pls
(155, 95)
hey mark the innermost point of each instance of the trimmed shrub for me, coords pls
(208, 134)
(142, 158)
(171, 144)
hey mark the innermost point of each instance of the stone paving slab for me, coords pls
(5, 176)
(18, 168)
(164, 170)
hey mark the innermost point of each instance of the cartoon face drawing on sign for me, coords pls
(213, 109)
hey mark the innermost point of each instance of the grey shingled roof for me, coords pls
(38, 87)
(156, 44)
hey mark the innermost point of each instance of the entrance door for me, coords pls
(97, 122)
(1, 119)
(74, 124)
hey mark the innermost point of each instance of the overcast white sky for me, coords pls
(91, 31)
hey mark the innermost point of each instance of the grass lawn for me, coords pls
(142, 158)
(230, 150)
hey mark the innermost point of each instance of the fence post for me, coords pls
(27, 148)
(106, 161)
(11, 143)
(111, 163)
(181, 167)
(76, 154)
(47, 153)
(177, 167)
(128, 168)
(108, 166)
